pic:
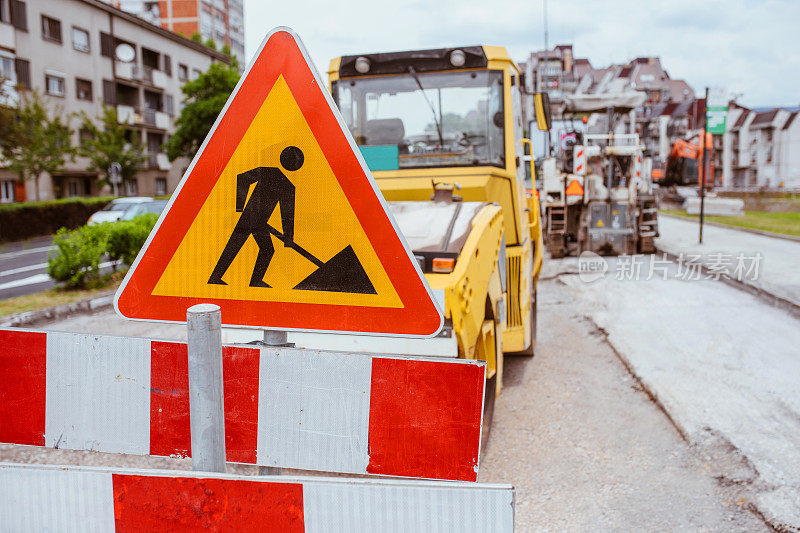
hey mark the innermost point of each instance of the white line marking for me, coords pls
(37, 279)
(9, 255)
(23, 269)
(33, 280)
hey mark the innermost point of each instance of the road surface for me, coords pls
(23, 267)
(768, 264)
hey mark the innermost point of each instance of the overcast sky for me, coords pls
(748, 47)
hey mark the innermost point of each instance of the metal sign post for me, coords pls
(115, 176)
(206, 410)
(704, 172)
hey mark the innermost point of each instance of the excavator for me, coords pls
(684, 163)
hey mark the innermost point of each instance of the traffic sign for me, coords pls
(291, 408)
(77, 499)
(279, 221)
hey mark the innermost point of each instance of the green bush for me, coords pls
(30, 219)
(126, 238)
(78, 254)
(76, 260)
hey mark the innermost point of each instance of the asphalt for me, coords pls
(23, 267)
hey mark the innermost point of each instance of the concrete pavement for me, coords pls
(723, 364)
(777, 272)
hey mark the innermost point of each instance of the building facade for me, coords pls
(220, 20)
(82, 55)
(760, 148)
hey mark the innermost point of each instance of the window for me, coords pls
(51, 29)
(7, 70)
(195, 73)
(84, 136)
(7, 191)
(83, 90)
(80, 39)
(5, 14)
(72, 189)
(19, 15)
(183, 72)
(54, 85)
(131, 187)
(22, 67)
(161, 186)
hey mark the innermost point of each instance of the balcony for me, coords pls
(146, 75)
(158, 161)
(134, 116)
(7, 37)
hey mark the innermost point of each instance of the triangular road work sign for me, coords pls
(574, 189)
(279, 221)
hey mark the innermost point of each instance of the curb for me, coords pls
(47, 314)
(736, 228)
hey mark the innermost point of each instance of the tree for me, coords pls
(196, 37)
(44, 143)
(210, 43)
(9, 130)
(204, 98)
(113, 143)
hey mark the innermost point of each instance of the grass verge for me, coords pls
(781, 223)
(52, 297)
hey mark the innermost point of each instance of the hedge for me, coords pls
(75, 262)
(30, 219)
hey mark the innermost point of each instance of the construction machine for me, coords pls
(442, 132)
(598, 193)
(685, 163)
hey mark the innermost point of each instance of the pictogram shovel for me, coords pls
(341, 273)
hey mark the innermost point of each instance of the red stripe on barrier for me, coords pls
(152, 503)
(240, 372)
(169, 401)
(422, 415)
(23, 386)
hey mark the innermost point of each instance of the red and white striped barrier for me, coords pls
(290, 408)
(67, 499)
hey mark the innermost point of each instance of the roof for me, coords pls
(133, 19)
(742, 118)
(764, 117)
(790, 120)
(678, 90)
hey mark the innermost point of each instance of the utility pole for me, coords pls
(544, 70)
(704, 173)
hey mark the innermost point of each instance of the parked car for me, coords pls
(143, 208)
(114, 210)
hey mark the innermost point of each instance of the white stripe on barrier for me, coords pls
(313, 410)
(98, 393)
(398, 507)
(49, 499)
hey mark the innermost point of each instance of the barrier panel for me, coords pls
(84, 499)
(284, 407)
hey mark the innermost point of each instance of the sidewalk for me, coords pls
(777, 272)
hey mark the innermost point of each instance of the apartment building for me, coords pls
(83, 54)
(220, 20)
(760, 148)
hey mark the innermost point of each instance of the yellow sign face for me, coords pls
(317, 213)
